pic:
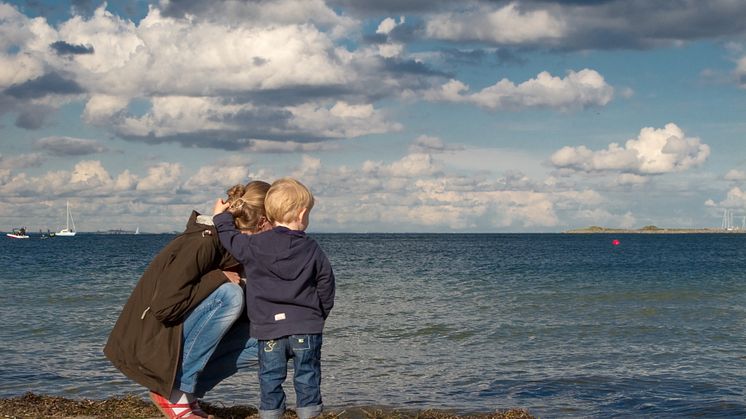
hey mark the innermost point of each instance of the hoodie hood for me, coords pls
(288, 257)
(199, 223)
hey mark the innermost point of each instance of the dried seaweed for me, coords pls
(130, 406)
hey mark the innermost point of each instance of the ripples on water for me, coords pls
(563, 325)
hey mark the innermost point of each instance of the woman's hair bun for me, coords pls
(236, 191)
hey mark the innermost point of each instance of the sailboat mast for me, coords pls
(70, 218)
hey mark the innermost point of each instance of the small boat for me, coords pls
(67, 231)
(18, 233)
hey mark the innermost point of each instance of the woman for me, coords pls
(184, 329)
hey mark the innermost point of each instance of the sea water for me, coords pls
(563, 325)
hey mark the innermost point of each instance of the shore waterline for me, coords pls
(558, 324)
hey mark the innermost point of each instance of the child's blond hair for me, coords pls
(285, 199)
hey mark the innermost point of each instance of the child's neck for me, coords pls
(293, 225)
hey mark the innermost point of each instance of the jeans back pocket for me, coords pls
(300, 342)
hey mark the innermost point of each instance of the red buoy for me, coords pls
(615, 242)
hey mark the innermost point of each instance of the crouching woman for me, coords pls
(184, 327)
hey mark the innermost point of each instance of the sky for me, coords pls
(399, 115)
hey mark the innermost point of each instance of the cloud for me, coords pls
(389, 47)
(102, 109)
(735, 175)
(413, 193)
(68, 146)
(91, 173)
(210, 75)
(18, 69)
(32, 117)
(653, 152)
(416, 164)
(341, 120)
(263, 14)
(263, 146)
(417, 193)
(125, 181)
(185, 74)
(210, 122)
(508, 24)
(87, 178)
(585, 88)
(631, 179)
(217, 177)
(428, 144)
(17, 32)
(162, 177)
(383, 7)
(21, 161)
(48, 84)
(389, 24)
(735, 199)
(581, 25)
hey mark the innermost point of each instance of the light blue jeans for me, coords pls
(216, 342)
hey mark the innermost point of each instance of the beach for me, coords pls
(130, 406)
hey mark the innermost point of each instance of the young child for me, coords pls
(289, 293)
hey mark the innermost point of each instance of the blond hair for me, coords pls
(247, 204)
(285, 199)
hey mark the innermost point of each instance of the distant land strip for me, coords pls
(652, 230)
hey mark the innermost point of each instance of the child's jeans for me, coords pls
(305, 350)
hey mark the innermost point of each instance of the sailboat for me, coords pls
(67, 231)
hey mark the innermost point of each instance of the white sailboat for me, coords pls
(67, 231)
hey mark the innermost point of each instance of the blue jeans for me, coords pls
(216, 341)
(305, 350)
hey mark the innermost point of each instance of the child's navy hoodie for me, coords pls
(289, 280)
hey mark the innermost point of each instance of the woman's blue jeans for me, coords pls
(216, 342)
(305, 350)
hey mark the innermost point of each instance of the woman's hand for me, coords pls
(233, 277)
(220, 207)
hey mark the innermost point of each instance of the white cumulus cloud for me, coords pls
(504, 25)
(179, 76)
(734, 199)
(654, 151)
(389, 24)
(581, 89)
(163, 177)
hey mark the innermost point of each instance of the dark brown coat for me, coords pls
(145, 343)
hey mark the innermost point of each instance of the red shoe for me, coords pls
(167, 408)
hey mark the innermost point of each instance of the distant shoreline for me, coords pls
(652, 230)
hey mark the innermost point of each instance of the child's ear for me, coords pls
(302, 213)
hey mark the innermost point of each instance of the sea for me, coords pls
(564, 325)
